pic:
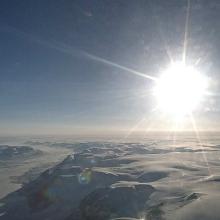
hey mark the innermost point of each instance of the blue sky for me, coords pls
(49, 84)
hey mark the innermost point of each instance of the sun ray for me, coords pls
(72, 51)
(105, 61)
(186, 33)
(135, 127)
(195, 129)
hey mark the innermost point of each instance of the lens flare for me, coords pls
(85, 176)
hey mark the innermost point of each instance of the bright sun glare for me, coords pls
(180, 89)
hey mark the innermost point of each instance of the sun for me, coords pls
(180, 89)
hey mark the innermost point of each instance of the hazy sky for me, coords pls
(51, 78)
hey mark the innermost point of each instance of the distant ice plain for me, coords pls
(185, 171)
